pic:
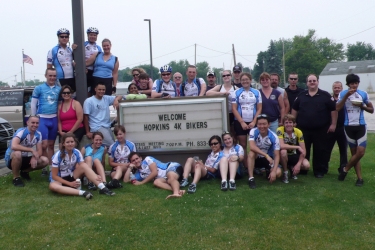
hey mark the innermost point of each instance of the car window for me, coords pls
(11, 98)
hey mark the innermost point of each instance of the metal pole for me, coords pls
(284, 64)
(234, 55)
(79, 52)
(149, 30)
(195, 55)
(23, 74)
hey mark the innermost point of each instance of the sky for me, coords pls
(213, 25)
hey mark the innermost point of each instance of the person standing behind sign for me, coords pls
(105, 67)
(193, 86)
(211, 80)
(145, 86)
(177, 78)
(136, 73)
(118, 156)
(91, 48)
(206, 171)
(164, 87)
(246, 106)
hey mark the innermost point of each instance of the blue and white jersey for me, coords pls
(89, 151)
(354, 115)
(213, 159)
(62, 61)
(145, 170)
(120, 153)
(246, 103)
(90, 49)
(267, 144)
(236, 150)
(98, 111)
(160, 86)
(231, 93)
(26, 140)
(67, 164)
(48, 97)
(193, 88)
(104, 69)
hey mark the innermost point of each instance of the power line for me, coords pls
(214, 50)
(356, 33)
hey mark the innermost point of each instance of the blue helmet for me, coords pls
(63, 31)
(92, 30)
(166, 68)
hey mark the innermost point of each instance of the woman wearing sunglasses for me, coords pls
(200, 170)
(164, 87)
(69, 115)
(233, 155)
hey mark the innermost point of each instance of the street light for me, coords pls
(149, 29)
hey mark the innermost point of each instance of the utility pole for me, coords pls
(284, 64)
(195, 55)
(234, 55)
(149, 31)
(264, 65)
(15, 80)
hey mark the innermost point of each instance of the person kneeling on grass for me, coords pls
(264, 151)
(94, 154)
(166, 175)
(202, 171)
(119, 157)
(67, 166)
(293, 149)
(233, 155)
(20, 157)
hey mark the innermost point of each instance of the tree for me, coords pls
(360, 51)
(126, 74)
(202, 69)
(272, 60)
(180, 66)
(3, 84)
(259, 65)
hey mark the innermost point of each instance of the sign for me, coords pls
(11, 98)
(174, 124)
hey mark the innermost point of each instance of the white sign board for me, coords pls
(174, 124)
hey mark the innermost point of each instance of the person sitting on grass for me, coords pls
(293, 149)
(118, 156)
(264, 151)
(165, 175)
(20, 156)
(67, 166)
(202, 171)
(94, 155)
(233, 155)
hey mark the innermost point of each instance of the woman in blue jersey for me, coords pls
(105, 67)
(67, 166)
(200, 170)
(118, 156)
(246, 106)
(94, 155)
(232, 156)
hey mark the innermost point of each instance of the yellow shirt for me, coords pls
(292, 140)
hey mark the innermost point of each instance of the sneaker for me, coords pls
(232, 185)
(17, 182)
(252, 183)
(184, 183)
(87, 195)
(294, 177)
(91, 186)
(285, 177)
(359, 183)
(44, 172)
(192, 189)
(114, 184)
(342, 175)
(224, 186)
(25, 175)
(106, 191)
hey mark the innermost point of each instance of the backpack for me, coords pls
(196, 82)
(159, 83)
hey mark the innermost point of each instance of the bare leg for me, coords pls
(59, 188)
(284, 159)
(188, 167)
(357, 154)
(198, 173)
(224, 165)
(305, 164)
(162, 183)
(16, 163)
(172, 179)
(50, 150)
(251, 162)
(99, 169)
(233, 166)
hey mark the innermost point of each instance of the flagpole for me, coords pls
(23, 65)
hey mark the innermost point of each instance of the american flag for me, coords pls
(27, 59)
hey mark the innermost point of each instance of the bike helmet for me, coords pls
(63, 31)
(92, 30)
(166, 68)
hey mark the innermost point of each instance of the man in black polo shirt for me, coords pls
(316, 117)
(292, 90)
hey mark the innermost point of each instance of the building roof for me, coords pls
(344, 68)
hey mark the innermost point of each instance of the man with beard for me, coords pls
(275, 80)
(211, 80)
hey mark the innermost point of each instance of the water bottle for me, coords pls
(80, 185)
(132, 178)
(196, 158)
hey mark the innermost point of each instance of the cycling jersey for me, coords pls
(62, 61)
(98, 111)
(354, 115)
(121, 153)
(246, 103)
(234, 150)
(231, 91)
(213, 159)
(193, 88)
(160, 86)
(66, 165)
(103, 69)
(294, 139)
(25, 140)
(47, 97)
(267, 144)
(90, 49)
(97, 155)
(145, 170)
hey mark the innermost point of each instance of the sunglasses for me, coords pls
(225, 133)
(66, 93)
(64, 36)
(293, 79)
(135, 75)
(168, 74)
(226, 75)
(177, 77)
(214, 143)
(262, 115)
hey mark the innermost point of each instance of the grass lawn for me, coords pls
(307, 213)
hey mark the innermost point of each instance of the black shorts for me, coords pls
(106, 81)
(90, 79)
(70, 82)
(293, 159)
(208, 176)
(356, 135)
(25, 164)
(68, 178)
(79, 133)
(262, 162)
(239, 130)
(231, 119)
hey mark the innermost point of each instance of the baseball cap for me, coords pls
(209, 73)
(237, 68)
